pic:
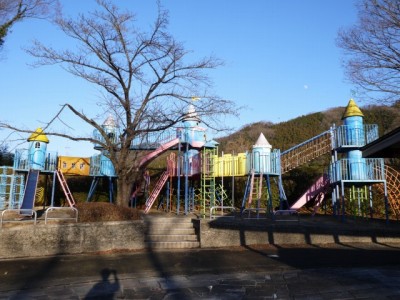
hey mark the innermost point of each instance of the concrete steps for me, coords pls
(170, 233)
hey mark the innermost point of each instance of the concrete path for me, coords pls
(356, 271)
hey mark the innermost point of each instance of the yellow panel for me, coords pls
(74, 165)
(230, 165)
(241, 170)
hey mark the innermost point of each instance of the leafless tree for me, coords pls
(145, 79)
(372, 50)
(13, 11)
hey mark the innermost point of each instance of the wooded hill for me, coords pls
(287, 134)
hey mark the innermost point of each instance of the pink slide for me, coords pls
(158, 151)
(318, 187)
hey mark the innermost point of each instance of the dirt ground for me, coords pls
(103, 211)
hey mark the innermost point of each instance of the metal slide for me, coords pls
(152, 155)
(30, 192)
(319, 186)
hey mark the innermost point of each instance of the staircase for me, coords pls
(170, 233)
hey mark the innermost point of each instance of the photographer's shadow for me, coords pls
(106, 288)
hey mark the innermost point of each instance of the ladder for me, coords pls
(65, 188)
(153, 196)
(208, 179)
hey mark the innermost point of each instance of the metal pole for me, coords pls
(186, 157)
(386, 203)
(342, 201)
(53, 189)
(178, 192)
(233, 177)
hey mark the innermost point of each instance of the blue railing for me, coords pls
(363, 169)
(348, 136)
(264, 163)
(23, 161)
(153, 140)
(100, 165)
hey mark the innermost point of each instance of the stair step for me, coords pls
(170, 231)
(172, 245)
(171, 238)
(168, 220)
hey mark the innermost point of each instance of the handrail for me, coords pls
(25, 211)
(46, 217)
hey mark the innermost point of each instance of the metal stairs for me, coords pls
(170, 233)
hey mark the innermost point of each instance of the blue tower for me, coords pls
(262, 155)
(262, 164)
(193, 134)
(101, 165)
(354, 127)
(352, 176)
(37, 150)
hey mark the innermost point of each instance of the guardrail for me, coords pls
(50, 209)
(21, 212)
(229, 208)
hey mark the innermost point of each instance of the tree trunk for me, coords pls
(123, 192)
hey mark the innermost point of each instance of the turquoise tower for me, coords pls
(37, 150)
(193, 134)
(262, 155)
(354, 129)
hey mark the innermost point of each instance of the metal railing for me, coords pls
(348, 136)
(363, 169)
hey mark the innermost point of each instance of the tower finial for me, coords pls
(352, 110)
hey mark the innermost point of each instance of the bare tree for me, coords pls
(13, 11)
(147, 83)
(372, 50)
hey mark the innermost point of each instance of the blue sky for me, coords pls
(280, 57)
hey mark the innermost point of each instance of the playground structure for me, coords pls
(195, 176)
(350, 180)
(19, 184)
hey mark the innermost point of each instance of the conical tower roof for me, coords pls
(191, 114)
(262, 142)
(352, 110)
(110, 121)
(38, 136)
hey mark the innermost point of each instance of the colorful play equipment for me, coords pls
(19, 184)
(353, 181)
(197, 177)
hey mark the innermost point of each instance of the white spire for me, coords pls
(262, 142)
(110, 121)
(191, 114)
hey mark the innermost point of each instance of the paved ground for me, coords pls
(356, 271)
